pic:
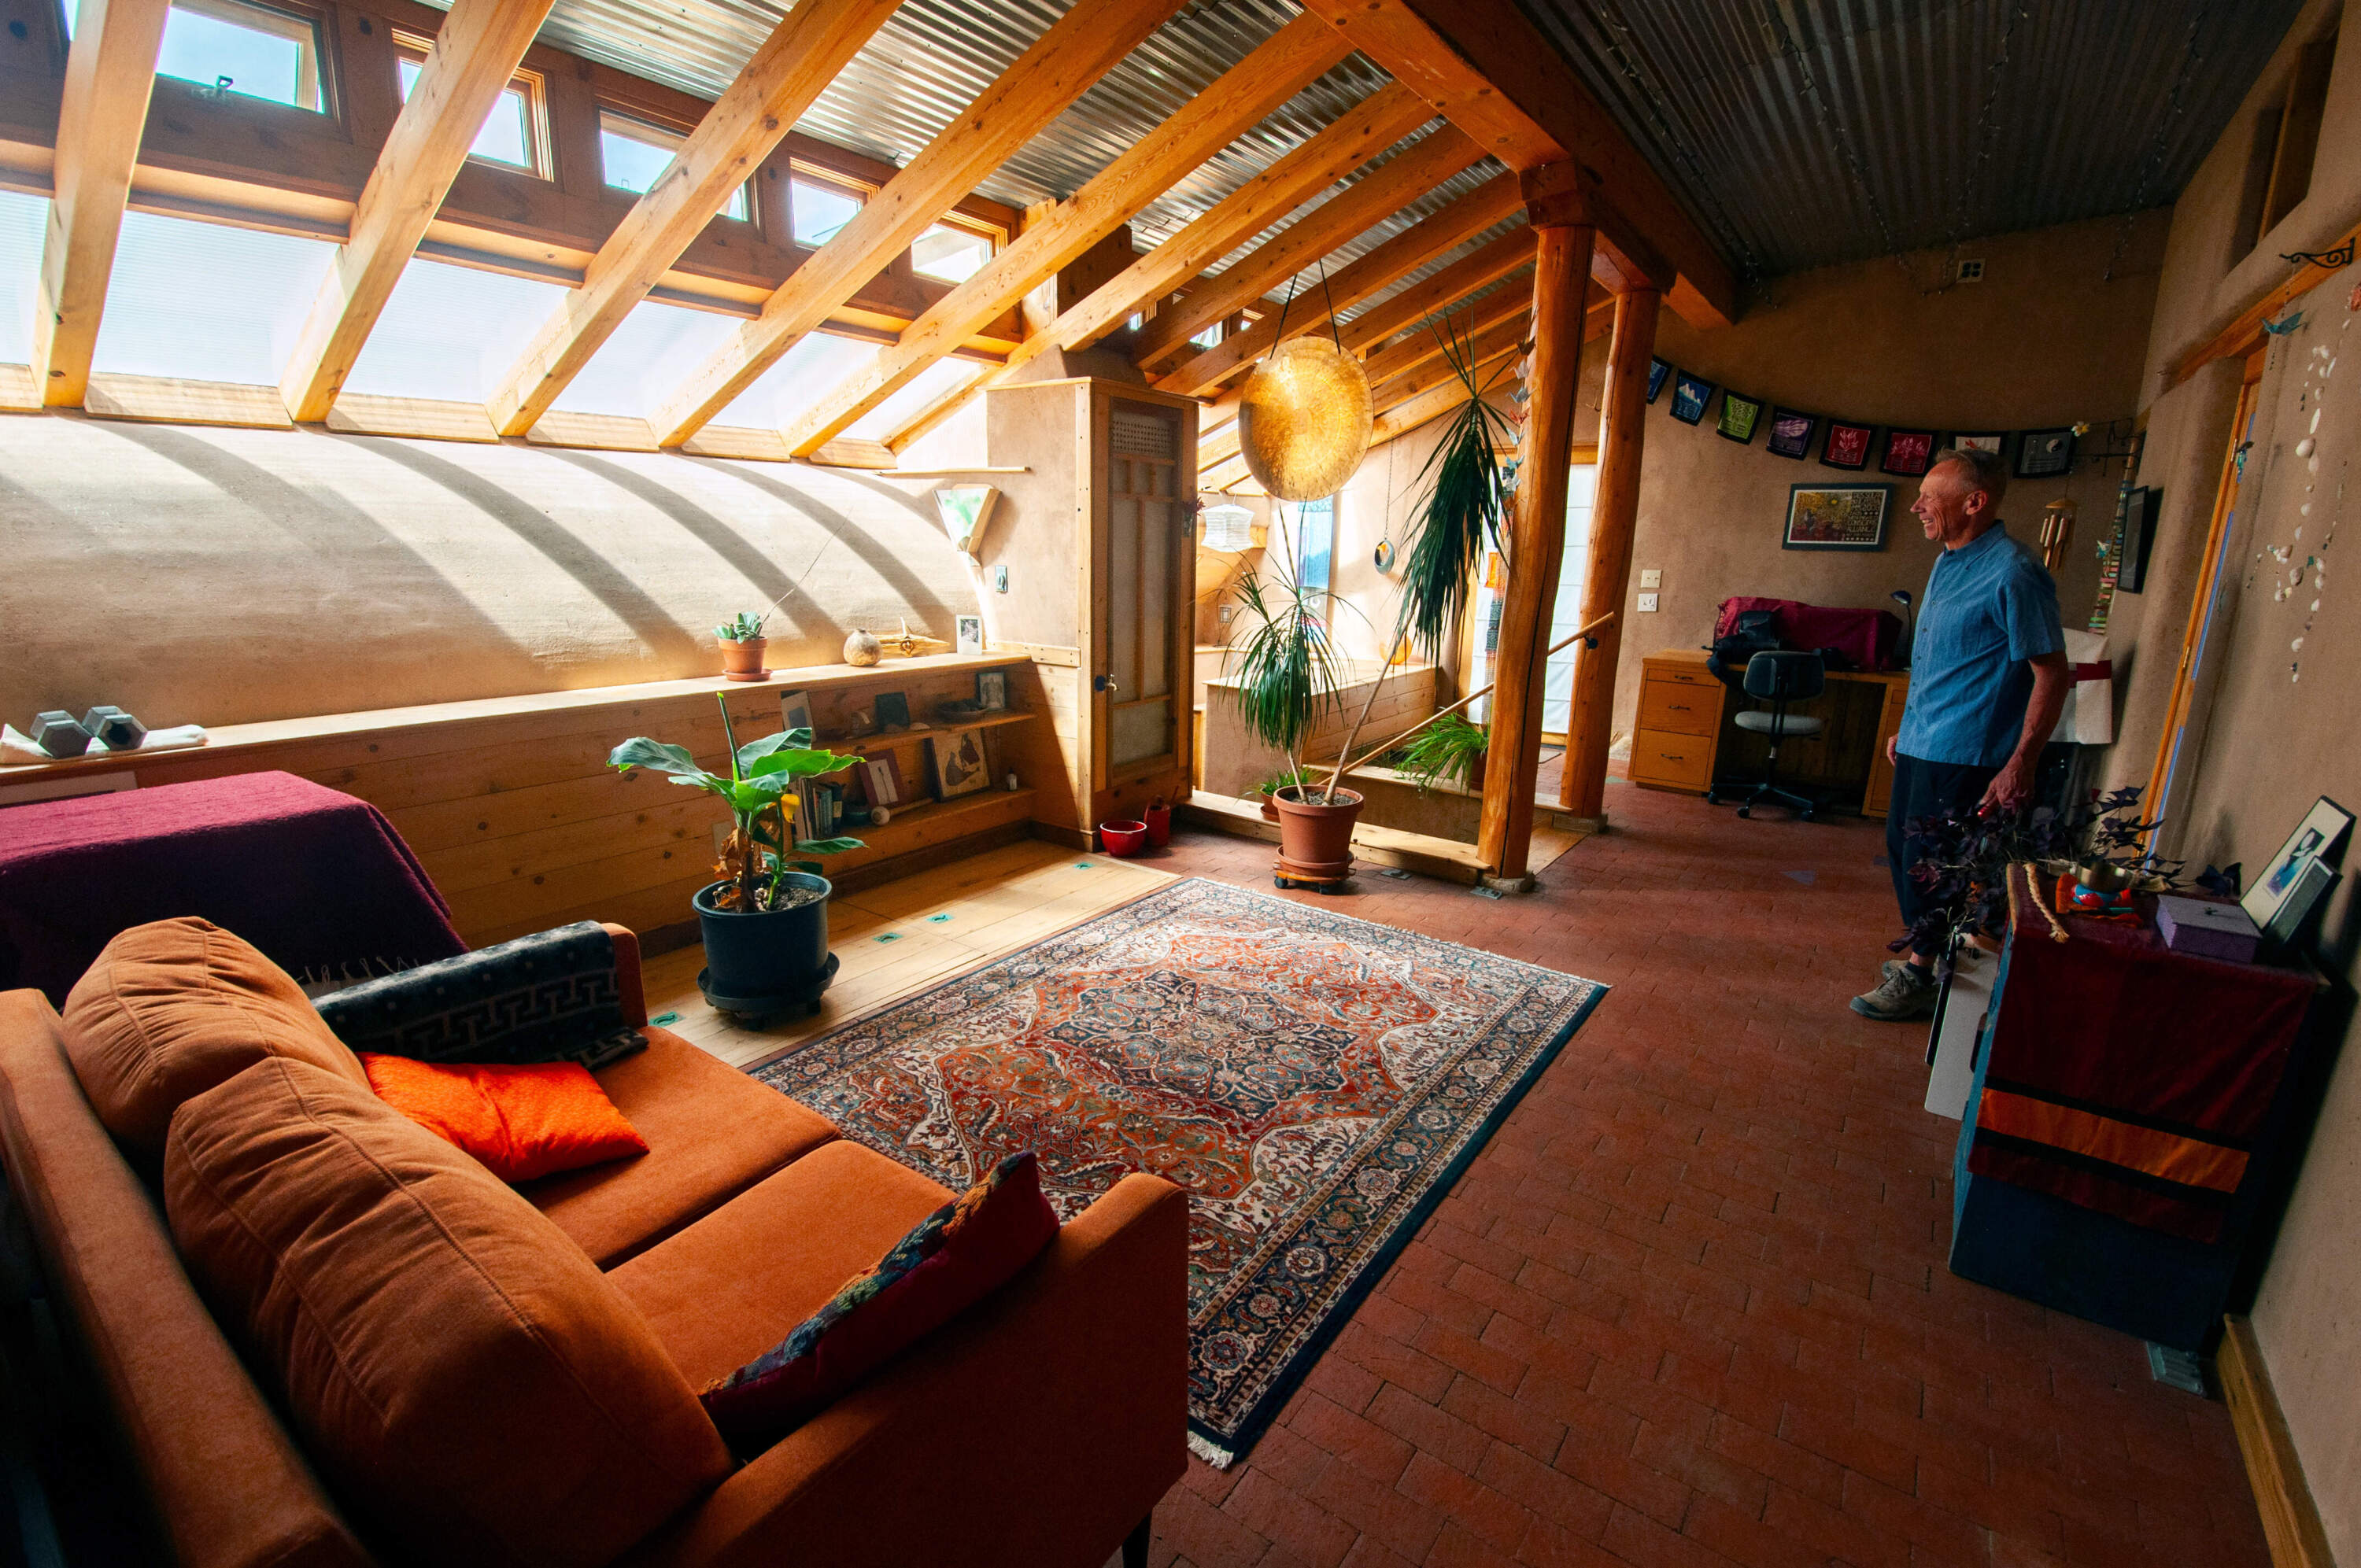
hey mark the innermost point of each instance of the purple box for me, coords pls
(2206, 929)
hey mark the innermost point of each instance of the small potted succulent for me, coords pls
(765, 922)
(743, 643)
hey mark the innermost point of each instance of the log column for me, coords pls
(1557, 202)
(1622, 426)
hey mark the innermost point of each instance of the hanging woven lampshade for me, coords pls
(1303, 423)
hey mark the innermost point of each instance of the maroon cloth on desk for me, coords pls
(317, 879)
(1867, 637)
(2111, 1023)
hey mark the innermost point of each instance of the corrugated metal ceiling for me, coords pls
(1806, 132)
(1799, 132)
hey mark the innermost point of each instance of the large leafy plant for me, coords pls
(1446, 752)
(1464, 506)
(760, 793)
(1288, 672)
(1963, 857)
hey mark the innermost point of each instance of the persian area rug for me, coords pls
(1316, 1082)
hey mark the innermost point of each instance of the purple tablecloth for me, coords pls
(317, 879)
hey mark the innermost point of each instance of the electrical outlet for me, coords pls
(1647, 604)
(1000, 579)
(1224, 614)
(1972, 271)
(1653, 578)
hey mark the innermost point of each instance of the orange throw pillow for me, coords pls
(522, 1122)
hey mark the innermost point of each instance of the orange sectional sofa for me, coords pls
(1040, 1428)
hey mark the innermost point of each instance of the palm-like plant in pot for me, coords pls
(765, 923)
(1289, 675)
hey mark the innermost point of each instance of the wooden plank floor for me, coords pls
(902, 937)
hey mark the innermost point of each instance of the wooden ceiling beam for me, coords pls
(1485, 66)
(794, 64)
(1434, 235)
(1082, 45)
(475, 54)
(1378, 121)
(1287, 62)
(1378, 195)
(1394, 360)
(110, 72)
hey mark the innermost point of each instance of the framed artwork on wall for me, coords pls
(2042, 453)
(1739, 416)
(1690, 395)
(2288, 877)
(1846, 445)
(969, 631)
(956, 765)
(1836, 517)
(1907, 452)
(1791, 434)
(1657, 371)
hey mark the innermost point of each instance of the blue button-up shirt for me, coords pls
(1990, 607)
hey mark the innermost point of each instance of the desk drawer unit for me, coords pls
(1678, 725)
(1677, 708)
(1672, 762)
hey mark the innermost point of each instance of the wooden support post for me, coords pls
(1557, 201)
(110, 70)
(1622, 427)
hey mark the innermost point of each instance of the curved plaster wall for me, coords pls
(220, 576)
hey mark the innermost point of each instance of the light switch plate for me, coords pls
(1647, 604)
(1653, 578)
(1000, 579)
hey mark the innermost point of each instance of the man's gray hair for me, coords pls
(1986, 472)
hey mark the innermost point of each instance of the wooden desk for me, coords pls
(1687, 738)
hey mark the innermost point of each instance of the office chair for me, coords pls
(1779, 678)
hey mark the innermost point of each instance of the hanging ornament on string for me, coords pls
(1305, 417)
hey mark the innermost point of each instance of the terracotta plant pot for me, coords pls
(744, 661)
(1269, 812)
(1476, 773)
(1313, 835)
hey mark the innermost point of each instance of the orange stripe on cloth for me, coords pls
(2192, 1162)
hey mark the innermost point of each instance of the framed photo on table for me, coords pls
(1836, 517)
(956, 764)
(2294, 879)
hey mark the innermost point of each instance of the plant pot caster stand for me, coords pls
(753, 1011)
(1320, 876)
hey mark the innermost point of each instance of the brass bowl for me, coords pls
(1304, 420)
(2102, 876)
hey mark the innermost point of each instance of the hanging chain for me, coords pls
(2155, 165)
(1614, 25)
(1986, 128)
(1775, 24)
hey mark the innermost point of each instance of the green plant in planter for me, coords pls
(1289, 672)
(1466, 503)
(1446, 751)
(744, 629)
(759, 792)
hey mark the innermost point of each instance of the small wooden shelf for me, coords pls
(836, 737)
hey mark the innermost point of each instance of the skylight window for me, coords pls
(508, 137)
(205, 301)
(241, 50)
(635, 155)
(450, 331)
(949, 254)
(1209, 338)
(23, 224)
(934, 381)
(803, 376)
(820, 208)
(656, 349)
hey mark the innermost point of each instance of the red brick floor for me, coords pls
(1689, 1305)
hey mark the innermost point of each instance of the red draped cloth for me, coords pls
(2127, 1078)
(1867, 637)
(317, 879)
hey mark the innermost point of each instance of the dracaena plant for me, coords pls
(760, 792)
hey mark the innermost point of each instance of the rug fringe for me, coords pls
(1212, 1453)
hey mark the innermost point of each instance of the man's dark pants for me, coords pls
(1925, 789)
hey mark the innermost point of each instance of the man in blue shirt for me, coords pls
(1988, 676)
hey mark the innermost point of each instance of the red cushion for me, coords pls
(522, 1122)
(951, 1259)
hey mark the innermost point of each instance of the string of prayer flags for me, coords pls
(1791, 434)
(1690, 395)
(1907, 452)
(1738, 415)
(1848, 444)
(1657, 371)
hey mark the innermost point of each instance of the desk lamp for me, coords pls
(1909, 628)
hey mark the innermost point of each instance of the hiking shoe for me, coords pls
(1905, 993)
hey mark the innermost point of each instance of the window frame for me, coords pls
(958, 223)
(416, 46)
(315, 22)
(605, 109)
(811, 174)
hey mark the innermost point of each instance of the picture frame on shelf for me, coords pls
(956, 764)
(2285, 888)
(1791, 434)
(2045, 453)
(992, 690)
(1836, 517)
(1908, 452)
(795, 711)
(1846, 445)
(892, 711)
(882, 778)
(969, 631)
